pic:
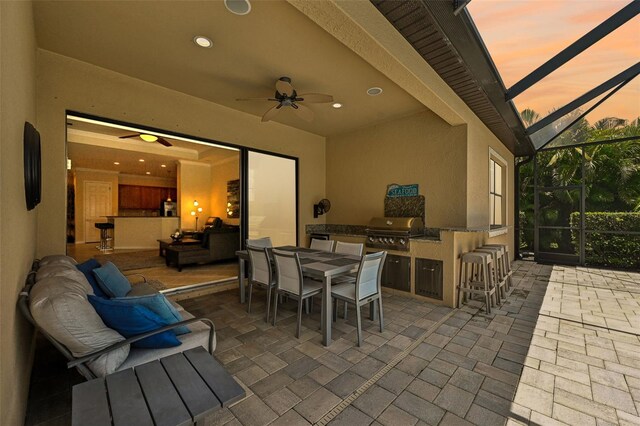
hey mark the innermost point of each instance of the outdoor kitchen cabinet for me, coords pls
(429, 278)
(396, 273)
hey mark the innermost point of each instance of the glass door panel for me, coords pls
(272, 198)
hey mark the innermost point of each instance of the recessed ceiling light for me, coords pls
(148, 138)
(116, 163)
(337, 105)
(148, 173)
(202, 41)
(163, 165)
(141, 160)
(374, 91)
(238, 7)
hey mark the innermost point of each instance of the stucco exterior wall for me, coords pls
(67, 84)
(421, 148)
(18, 227)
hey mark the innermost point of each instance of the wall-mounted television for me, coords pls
(32, 166)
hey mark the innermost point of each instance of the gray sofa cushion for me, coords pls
(57, 258)
(199, 336)
(60, 307)
(64, 270)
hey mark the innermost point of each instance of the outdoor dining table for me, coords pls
(317, 264)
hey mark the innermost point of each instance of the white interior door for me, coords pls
(97, 204)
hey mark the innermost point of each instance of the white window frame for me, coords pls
(498, 159)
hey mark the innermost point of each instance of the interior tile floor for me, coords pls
(564, 348)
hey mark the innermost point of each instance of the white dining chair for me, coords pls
(355, 249)
(367, 289)
(260, 274)
(291, 283)
(324, 245)
(260, 242)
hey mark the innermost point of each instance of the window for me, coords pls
(497, 197)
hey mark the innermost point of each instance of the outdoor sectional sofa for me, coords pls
(55, 300)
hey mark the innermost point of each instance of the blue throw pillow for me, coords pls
(158, 304)
(132, 320)
(111, 280)
(87, 268)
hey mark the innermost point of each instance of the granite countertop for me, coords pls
(431, 234)
(141, 217)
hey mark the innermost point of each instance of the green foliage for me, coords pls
(603, 249)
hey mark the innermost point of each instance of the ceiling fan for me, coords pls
(148, 138)
(286, 96)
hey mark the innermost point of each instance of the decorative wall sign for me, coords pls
(394, 190)
(233, 199)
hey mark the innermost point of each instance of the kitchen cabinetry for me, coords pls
(429, 278)
(143, 197)
(396, 273)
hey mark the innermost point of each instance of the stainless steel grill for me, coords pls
(393, 233)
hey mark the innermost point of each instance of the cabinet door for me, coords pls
(429, 278)
(397, 273)
(129, 196)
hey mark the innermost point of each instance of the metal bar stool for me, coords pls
(476, 278)
(506, 261)
(499, 274)
(106, 236)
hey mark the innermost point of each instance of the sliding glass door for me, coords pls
(272, 198)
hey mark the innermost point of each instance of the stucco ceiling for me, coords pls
(152, 41)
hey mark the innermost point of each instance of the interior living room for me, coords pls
(116, 177)
(218, 153)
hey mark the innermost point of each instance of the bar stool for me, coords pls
(476, 277)
(106, 236)
(506, 262)
(499, 274)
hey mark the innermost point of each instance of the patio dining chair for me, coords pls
(366, 290)
(260, 274)
(290, 282)
(324, 245)
(260, 242)
(355, 249)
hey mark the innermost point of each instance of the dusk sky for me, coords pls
(522, 34)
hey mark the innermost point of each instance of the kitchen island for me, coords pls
(141, 232)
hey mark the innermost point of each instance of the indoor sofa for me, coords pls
(217, 244)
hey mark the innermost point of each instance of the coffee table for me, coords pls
(183, 242)
(180, 389)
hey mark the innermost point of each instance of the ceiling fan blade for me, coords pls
(130, 136)
(164, 142)
(303, 112)
(256, 99)
(284, 87)
(315, 98)
(271, 113)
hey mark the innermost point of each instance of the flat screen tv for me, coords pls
(32, 166)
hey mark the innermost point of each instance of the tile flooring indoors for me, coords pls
(563, 349)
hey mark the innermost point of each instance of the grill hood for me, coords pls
(411, 225)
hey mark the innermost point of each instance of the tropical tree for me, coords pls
(529, 117)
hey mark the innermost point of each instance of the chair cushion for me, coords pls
(64, 270)
(87, 268)
(199, 336)
(158, 304)
(311, 286)
(59, 306)
(111, 280)
(132, 320)
(57, 258)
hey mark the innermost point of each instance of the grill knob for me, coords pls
(402, 241)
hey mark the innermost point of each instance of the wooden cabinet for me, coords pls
(143, 197)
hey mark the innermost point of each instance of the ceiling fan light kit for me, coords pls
(148, 138)
(287, 96)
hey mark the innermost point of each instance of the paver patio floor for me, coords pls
(564, 348)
